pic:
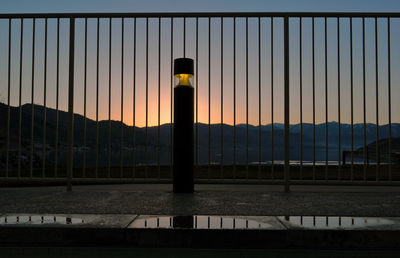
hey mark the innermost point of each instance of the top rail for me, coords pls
(201, 14)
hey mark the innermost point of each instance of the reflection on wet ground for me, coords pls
(38, 219)
(334, 222)
(198, 222)
(204, 221)
(258, 222)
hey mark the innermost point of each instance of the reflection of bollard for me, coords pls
(183, 126)
(183, 222)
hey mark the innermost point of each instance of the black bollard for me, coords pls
(183, 126)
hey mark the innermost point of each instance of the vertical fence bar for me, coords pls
(197, 96)
(259, 99)
(338, 74)
(20, 96)
(222, 98)
(147, 98)
(184, 36)
(377, 153)
(84, 103)
(272, 98)
(326, 98)
(287, 104)
(121, 161)
(134, 102)
(70, 103)
(301, 93)
(209, 95)
(389, 102)
(8, 96)
(247, 97)
(32, 98)
(57, 98)
(97, 97)
(109, 99)
(159, 95)
(351, 100)
(364, 106)
(313, 91)
(172, 93)
(234, 97)
(44, 101)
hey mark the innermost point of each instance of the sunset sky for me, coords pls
(165, 57)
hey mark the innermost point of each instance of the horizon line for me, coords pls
(238, 124)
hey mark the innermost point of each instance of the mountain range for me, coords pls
(165, 140)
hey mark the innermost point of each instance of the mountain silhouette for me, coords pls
(165, 140)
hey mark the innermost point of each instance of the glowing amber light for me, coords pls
(183, 79)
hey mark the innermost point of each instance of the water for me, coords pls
(306, 163)
(334, 222)
(214, 222)
(258, 222)
(38, 220)
(199, 222)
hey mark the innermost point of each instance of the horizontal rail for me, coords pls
(201, 14)
(77, 181)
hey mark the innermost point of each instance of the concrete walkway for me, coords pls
(240, 200)
(212, 232)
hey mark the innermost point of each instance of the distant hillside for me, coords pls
(165, 148)
(383, 147)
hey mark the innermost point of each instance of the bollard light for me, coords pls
(183, 72)
(183, 126)
(183, 79)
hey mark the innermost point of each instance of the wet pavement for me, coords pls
(215, 216)
(199, 231)
(238, 200)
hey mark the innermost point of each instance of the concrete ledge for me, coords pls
(330, 239)
(117, 231)
(188, 238)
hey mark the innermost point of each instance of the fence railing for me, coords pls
(280, 98)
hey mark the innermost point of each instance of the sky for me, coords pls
(23, 6)
(254, 56)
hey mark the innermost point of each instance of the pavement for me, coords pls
(213, 232)
(239, 200)
(214, 217)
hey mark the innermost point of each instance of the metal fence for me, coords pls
(280, 98)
